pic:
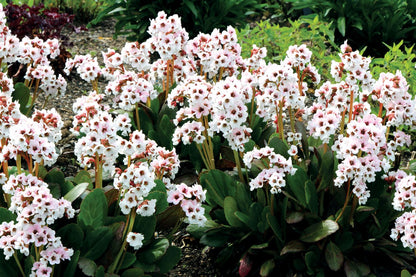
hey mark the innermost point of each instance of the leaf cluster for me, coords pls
(365, 22)
(133, 16)
(318, 35)
(302, 230)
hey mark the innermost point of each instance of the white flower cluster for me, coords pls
(87, 67)
(275, 172)
(190, 199)
(135, 184)
(36, 209)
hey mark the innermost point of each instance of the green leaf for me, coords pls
(76, 192)
(145, 225)
(170, 259)
(294, 217)
(83, 176)
(293, 246)
(6, 215)
(216, 237)
(28, 264)
(279, 146)
(133, 272)
(230, 207)
(218, 185)
(72, 264)
(311, 260)
(341, 25)
(267, 267)
(100, 272)
(93, 209)
(319, 231)
(311, 197)
(333, 256)
(87, 266)
(155, 251)
(21, 94)
(129, 259)
(296, 184)
(55, 179)
(72, 235)
(272, 221)
(96, 242)
(356, 269)
(161, 200)
(405, 273)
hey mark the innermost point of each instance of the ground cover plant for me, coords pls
(296, 173)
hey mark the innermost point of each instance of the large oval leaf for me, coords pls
(333, 256)
(319, 231)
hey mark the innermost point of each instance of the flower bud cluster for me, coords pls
(275, 171)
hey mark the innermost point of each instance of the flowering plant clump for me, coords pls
(311, 188)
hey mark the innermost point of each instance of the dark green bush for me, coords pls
(365, 22)
(133, 16)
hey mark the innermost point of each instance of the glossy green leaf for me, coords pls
(83, 176)
(333, 256)
(161, 200)
(21, 94)
(311, 261)
(296, 184)
(341, 25)
(230, 207)
(100, 272)
(76, 192)
(405, 273)
(319, 231)
(71, 235)
(93, 209)
(155, 251)
(145, 225)
(279, 146)
(218, 185)
(97, 242)
(170, 259)
(294, 217)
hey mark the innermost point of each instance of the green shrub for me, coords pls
(366, 22)
(397, 59)
(133, 16)
(318, 35)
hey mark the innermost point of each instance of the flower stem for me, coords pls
(347, 198)
(19, 163)
(237, 162)
(129, 226)
(18, 264)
